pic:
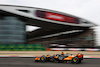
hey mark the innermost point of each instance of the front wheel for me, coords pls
(75, 60)
(43, 59)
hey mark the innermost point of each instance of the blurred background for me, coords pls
(27, 36)
(32, 28)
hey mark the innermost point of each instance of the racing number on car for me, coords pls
(60, 58)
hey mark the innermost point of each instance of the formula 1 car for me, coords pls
(61, 58)
(44, 58)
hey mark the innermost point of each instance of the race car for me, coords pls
(44, 58)
(61, 58)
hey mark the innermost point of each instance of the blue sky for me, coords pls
(87, 9)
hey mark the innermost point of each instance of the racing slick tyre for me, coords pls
(75, 60)
(43, 59)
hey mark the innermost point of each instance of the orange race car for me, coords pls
(61, 58)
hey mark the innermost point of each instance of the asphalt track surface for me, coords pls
(29, 62)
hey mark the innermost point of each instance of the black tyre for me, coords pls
(43, 59)
(75, 60)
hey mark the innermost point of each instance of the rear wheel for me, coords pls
(75, 60)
